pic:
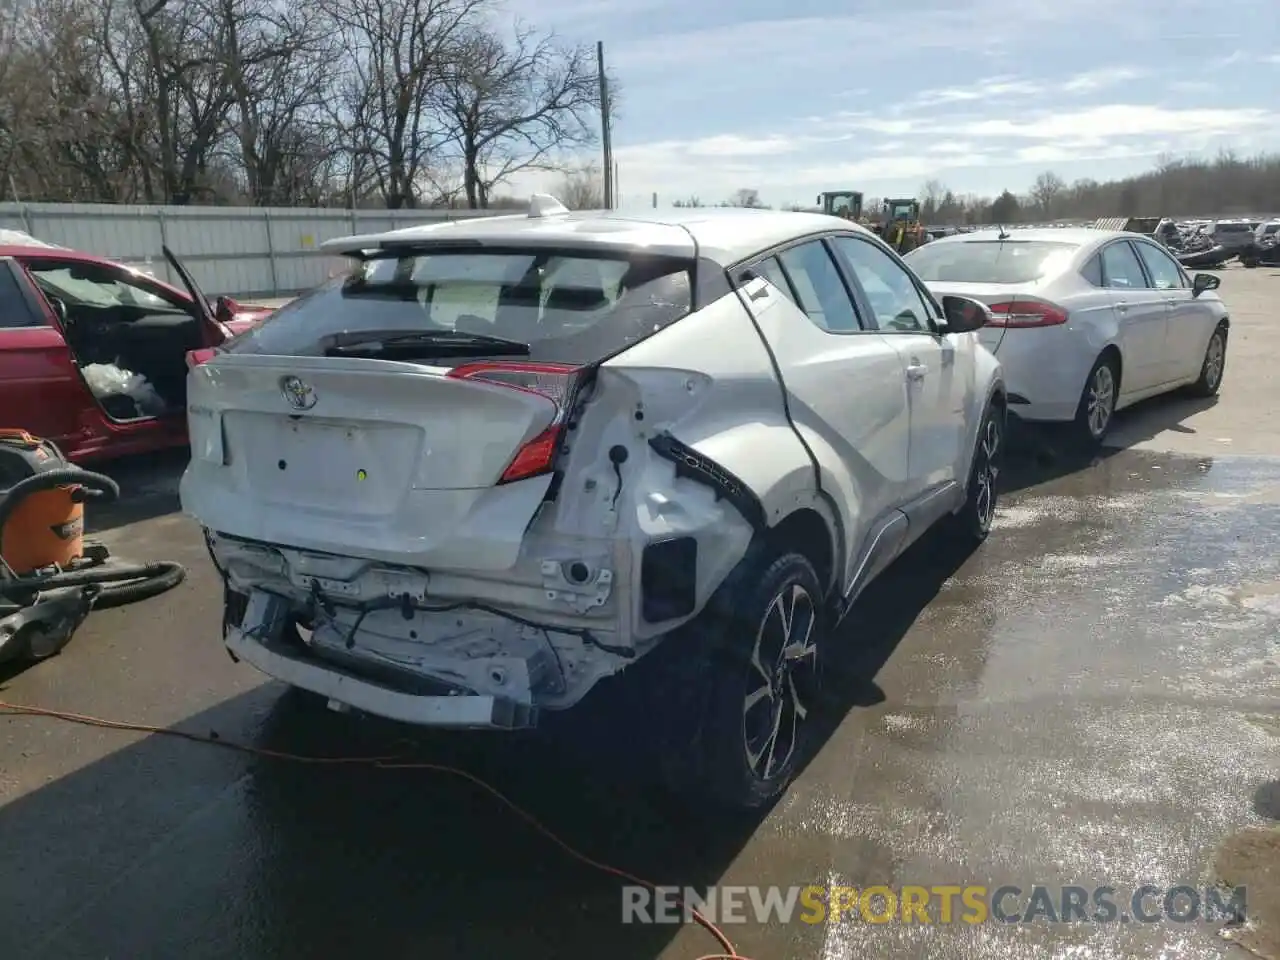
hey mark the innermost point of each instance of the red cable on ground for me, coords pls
(381, 763)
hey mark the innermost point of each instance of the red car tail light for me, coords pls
(197, 357)
(1027, 312)
(558, 382)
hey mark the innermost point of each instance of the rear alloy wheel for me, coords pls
(974, 520)
(1215, 363)
(1098, 402)
(762, 686)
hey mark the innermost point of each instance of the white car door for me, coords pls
(845, 386)
(1142, 315)
(939, 376)
(1190, 320)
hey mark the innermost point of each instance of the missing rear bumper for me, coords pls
(258, 640)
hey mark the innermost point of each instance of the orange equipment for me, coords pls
(50, 576)
(42, 513)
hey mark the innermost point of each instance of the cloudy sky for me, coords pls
(795, 97)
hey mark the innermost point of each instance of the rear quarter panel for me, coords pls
(708, 381)
(1049, 366)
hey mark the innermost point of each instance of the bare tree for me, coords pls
(401, 51)
(1046, 191)
(274, 62)
(931, 194)
(388, 102)
(745, 197)
(582, 188)
(512, 106)
(185, 99)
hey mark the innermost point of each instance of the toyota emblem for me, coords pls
(299, 394)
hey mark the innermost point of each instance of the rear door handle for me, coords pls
(916, 371)
(1122, 306)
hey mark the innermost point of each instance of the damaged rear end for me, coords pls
(438, 491)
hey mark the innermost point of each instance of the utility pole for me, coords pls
(606, 139)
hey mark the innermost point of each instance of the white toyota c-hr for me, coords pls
(504, 458)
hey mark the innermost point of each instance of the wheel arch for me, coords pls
(812, 530)
(998, 396)
(1113, 350)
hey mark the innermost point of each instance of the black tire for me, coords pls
(758, 681)
(1097, 407)
(1213, 366)
(973, 523)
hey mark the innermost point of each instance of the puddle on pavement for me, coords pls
(1084, 701)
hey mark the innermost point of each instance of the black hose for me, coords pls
(129, 583)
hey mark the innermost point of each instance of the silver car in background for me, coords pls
(1235, 234)
(1086, 322)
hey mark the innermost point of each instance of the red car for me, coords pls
(93, 355)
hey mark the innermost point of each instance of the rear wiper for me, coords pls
(424, 342)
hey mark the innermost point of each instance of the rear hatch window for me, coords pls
(561, 307)
(990, 261)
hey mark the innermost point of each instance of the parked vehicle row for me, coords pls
(93, 354)
(500, 460)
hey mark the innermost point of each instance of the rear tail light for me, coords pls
(558, 382)
(197, 357)
(1027, 312)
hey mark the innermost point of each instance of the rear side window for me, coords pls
(1165, 274)
(823, 296)
(1120, 267)
(567, 307)
(771, 271)
(1092, 271)
(15, 311)
(990, 261)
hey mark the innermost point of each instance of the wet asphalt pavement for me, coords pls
(1091, 698)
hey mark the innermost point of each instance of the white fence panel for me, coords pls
(242, 251)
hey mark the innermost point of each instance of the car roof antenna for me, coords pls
(1003, 234)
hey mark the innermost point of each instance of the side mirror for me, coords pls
(224, 309)
(1204, 281)
(964, 315)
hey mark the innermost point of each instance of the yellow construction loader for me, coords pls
(900, 224)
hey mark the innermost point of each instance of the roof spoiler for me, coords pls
(369, 245)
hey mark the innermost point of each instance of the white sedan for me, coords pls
(1086, 322)
(505, 458)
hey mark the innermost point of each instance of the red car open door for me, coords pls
(40, 390)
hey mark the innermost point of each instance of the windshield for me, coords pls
(568, 308)
(91, 285)
(902, 211)
(990, 261)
